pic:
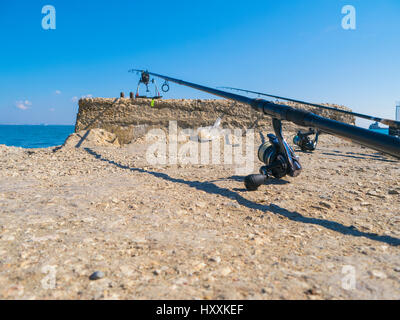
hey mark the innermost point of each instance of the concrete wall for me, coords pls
(131, 118)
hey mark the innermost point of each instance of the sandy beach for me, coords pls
(193, 231)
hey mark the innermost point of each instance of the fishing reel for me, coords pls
(145, 79)
(302, 139)
(279, 159)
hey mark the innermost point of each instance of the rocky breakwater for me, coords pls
(129, 119)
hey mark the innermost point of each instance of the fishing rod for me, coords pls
(388, 122)
(279, 158)
(302, 139)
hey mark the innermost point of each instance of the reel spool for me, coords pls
(303, 140)
(275, 163)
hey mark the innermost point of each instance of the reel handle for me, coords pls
(253, 181)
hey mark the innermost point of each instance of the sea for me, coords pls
(34, 136)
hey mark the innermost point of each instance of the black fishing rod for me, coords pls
(388, 122)
(278, 156)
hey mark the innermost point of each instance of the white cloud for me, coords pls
(57, 92)
(23, 104)
(76, 99)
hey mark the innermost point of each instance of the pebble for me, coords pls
(378, 274)
(201, 204)
(215, 259)
(374, 194)
(233, 205)
(225, 271)
(96, 275)
(326, 204)
(365, 204)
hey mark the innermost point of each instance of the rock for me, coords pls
(365, 204)
(313, 291)
(157, 272)
(199, 266)
(375, 194)
(378, 274)
(127, 270)
(215, 259)
(233, 205)
(326, 204)
(393, 191)
(91, 138)
(96, 275)
(225, 271)
(201, 204)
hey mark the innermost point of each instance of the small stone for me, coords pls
(375, 194)
(225, 271)
(215, 259)
(326, 204)
(233, 205)
(257, 240)
(313, 291)
(365, 204)
(396, 269)
(378, 274)
(199, 266)
(127, 270)
(96, 275)
(157, 272)
(393, 191)
(201, 204)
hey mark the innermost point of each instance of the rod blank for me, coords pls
(374, 140)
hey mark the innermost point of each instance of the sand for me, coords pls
(193, 231)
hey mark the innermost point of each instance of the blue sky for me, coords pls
(290, 48)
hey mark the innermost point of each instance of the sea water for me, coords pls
(31, 136)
